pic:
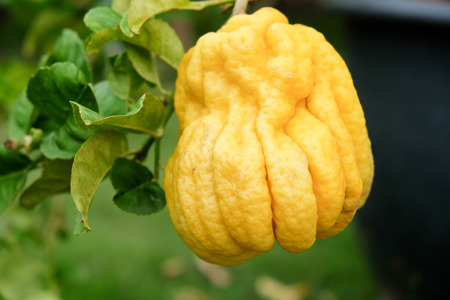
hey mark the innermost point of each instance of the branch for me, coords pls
(240, 7)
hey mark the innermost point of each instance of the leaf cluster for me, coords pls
(75, 130)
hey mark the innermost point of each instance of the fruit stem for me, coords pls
(240, 7)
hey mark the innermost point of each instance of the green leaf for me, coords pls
(159, 38)
(120, 6)
(143, 62)
(122, 77)
(145, 117)
(21, 117)
(99, 18)
(69, 47)
(11, 161)
(143, 10)
(64, 141)
(46, 60)
(46, 124)
(10, 185)
(109, 104)
(75, 131)
(92, 162)
(51, 89)
(87, 98)
(55, 179)
(136, 193)
(126, 175)
(13, 174)
(145, 199)
(79, 226)
(60, 144)
(99, 39)
(124, 25)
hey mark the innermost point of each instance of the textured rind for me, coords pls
(273, 142)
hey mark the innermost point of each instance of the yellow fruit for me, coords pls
(273, 142)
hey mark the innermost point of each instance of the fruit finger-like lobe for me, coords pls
(321, 151)
(273, 142)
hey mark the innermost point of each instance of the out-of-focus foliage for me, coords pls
(15, 73)
(40, 22)
(26, 254)
(29, 28)
(130, 257)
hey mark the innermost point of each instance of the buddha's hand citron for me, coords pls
(273, 141)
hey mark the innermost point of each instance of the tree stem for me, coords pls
(240, 7)
(141, 155)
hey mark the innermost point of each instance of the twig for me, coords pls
(240, 7)
(199, 5)
(141, 155)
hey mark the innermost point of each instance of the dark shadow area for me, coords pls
(400, 63)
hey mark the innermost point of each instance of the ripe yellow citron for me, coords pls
(273, 141)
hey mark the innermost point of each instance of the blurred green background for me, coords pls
(131, 257)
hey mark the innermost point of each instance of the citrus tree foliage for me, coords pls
(75, 129)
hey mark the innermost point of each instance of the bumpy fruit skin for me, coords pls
(273, 141)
